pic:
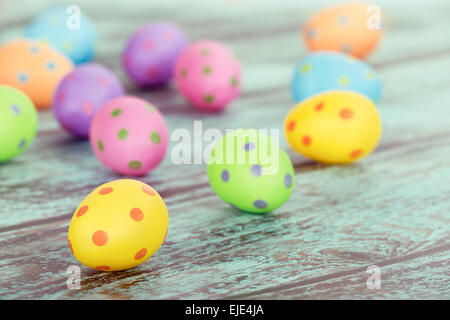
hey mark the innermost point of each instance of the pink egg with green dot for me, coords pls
(208, 75)
(129, 136)
(250, 172)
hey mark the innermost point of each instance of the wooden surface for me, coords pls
(391, 209)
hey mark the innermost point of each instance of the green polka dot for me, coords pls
(123, 134)
(100, 145)
(209, 98)
(67, 46)
(207, 70)
(305, 68)
(343, 81)
(370, 75)
(116, 113)
(234, 82)
(183, 73)
(155, 137)
(205, 52)
(135, 165)
(150, 107)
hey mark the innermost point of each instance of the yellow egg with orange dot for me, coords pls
(334, 127)
(118, 226)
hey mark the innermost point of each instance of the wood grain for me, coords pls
(391, 210)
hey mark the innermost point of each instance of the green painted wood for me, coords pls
(392, 209)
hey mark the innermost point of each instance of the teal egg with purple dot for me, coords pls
(249, 171)
(328, 70)
(18, 122)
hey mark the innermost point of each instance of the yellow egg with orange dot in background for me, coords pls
(334, 127)
(118, 226)
(34, 68)
(352, 28)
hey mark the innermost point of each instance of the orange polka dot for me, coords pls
(105, 191)
(70, 246)
(148, 190)
(100, 238)
(102, 268)
(140, 254)
(306, 140)
(291, 126)
(346, 114)
(103, 82)
(82, 211)
(356, 153)
(136, 214)
(319, 106)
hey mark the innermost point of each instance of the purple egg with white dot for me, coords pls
(81, 94)
(151, 52)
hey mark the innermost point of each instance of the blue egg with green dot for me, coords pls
(326, 70)
(67, 29)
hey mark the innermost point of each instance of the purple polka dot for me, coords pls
(22, 143)
(312, 33)
(249, 146)
(260, 204)
(287, 180)
(256, 170)
(225, 175)
(15, 109)
(346, 48)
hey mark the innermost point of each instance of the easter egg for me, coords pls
(327, 70)
(33, 68)
(350, 28)
(335, 127)
(208, 75)
(67, 29)
(129, 136)
(249, 171)
(150, 54)
(18, 122)
(118, 226)
(81, 93)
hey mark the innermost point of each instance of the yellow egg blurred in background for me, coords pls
(334, 127)
(352, 28)
(118, 226)
(34, 68)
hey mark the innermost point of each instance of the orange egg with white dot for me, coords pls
(34, 68)
(352, 28)
(334, 127)
(118, 226)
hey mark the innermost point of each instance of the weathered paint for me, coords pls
(391, 210)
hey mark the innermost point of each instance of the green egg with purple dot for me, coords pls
(18, 122)
(248, 170)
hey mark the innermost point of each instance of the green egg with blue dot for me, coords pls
(18, 122)
(67, 29)
(248, 170)
(323, 71)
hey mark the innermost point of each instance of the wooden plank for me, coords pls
(392, 209)
(419, 279)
